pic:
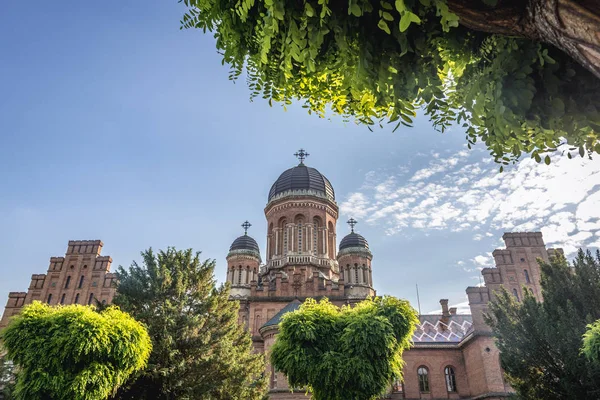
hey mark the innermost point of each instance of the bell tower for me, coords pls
(301, 215)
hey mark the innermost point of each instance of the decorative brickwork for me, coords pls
(82, 276)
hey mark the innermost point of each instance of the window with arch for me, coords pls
(364, 273)
(239, 275)
(81, 282)
(49, 298)
(526, 276)
(77, 298)
(62, 298)
(423, 374)
(316, 224)
(68, 282)
(356, 273)
(516, 294)
(91, 298)
(450, 379)
(300, 236)
(247, 274)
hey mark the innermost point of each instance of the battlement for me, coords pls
(523, 239)
(84, 247)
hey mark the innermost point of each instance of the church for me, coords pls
(453, 356)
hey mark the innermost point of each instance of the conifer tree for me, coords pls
(540, 342)
(199, 349)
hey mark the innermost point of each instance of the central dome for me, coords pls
(302, 180)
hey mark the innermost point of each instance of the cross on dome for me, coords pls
(246, 225)
(301, 155)
(352, 222)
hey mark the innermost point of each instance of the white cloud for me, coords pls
(464, 191)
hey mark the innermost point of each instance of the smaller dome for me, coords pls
(244, 242)
(354, 240)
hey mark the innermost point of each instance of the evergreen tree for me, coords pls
(199, 349)
(522, 76)
(73, 352)
(540, 342)
(348, 353)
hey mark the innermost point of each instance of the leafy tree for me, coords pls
(519, 75)
(348, 353)
(591, 343)
(73, 352)
(199, 349)
(7, 377)
(540, 342)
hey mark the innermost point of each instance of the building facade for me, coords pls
(82, 276)
(453, 357)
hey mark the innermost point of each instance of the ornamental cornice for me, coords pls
(244, 254)
(360, 251)
(329, 207)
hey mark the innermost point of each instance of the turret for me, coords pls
(354, 259)
(243, 261)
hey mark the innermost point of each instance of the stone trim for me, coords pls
(242, 253)
(355, 250)
(300, 200)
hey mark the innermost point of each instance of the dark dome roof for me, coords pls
(244, 242)
(354, 240)
(302, 177)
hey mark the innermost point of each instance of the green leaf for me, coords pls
(387, 16)
(581, 151)
(310, 12)
(384, 26)
(547, 160)
(355, 10)
(404, 22)
(538, 159)
(400, 6)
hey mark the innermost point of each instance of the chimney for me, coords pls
(444, 303)
(453, 311)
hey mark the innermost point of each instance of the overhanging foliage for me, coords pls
(382, 60)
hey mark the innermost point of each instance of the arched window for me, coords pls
(62, 298)
(356, 273)
(316, 225)
(77, 298)
(300, 236)
(423, 373)
(247, 274)
(68, 282)
(81, 282)
(240, 275)
(450, 379)
(49, 298)
(526, 276)
(91, 298)
(364, 273)
(516, 294)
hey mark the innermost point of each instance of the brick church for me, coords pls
(453, 357)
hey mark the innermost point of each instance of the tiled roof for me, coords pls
(432, 330)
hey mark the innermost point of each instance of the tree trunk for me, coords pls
(570, 25)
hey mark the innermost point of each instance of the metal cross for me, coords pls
(301, 155)
(352, 222)
(246, 225)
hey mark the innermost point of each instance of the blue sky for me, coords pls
(116, 125)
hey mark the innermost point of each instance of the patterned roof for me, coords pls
(432, 330)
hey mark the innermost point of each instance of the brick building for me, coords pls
(453, 356)
(82, 276)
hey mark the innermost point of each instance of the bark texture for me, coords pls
(570, 25)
